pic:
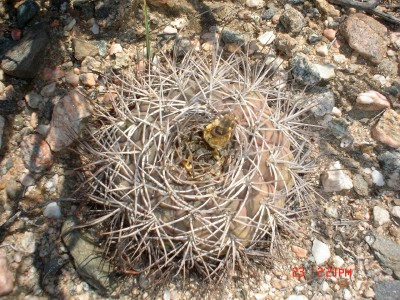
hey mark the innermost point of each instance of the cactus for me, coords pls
(196, 164)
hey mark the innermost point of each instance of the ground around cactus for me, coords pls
(345, 60)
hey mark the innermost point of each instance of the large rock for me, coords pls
(6, 278)
(390, 163)
(292, 20)
(365, 35)
(386, 251)
(303, 71)
(83, 48)
(387, 131)
(2, 124)
(387, 290)
(88, 259)
(26, 12)
(36, 153)
(25, 58)
(67, 118)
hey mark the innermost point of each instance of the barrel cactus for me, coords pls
(195, 163)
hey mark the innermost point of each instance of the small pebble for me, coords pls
(335, 179)
(337, 261)
(381, 216)
(267, 38)
(254, 3)
(72, 78)
(324, 286)
(6, 278)
(347, 294)
(2, 124)
(380, 79)
(300, 252)
(34, 119)
(70, 25)
(322, 50)
(27, 180)
(115, 48)
(95, 28)
(320, 251)
(313, 38)
(396, 211)
(178, 23)
(297, 297)
(52, 211)
(332, 212)
(377, 178)
(48, 90)
(170, 30)
(336, 112)
(339, 58)
(88, 79)
(330, 34)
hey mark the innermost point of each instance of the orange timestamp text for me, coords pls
(322, 272)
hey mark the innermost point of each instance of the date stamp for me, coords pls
(322, 272)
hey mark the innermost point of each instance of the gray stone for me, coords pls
(33, 99)
(387, 290)
(88, 258)
(386, 251)
(269, 13)
(84, 48)
(14, 190)
(360, 185)
(231, 37)
(313, 38)
(2, 124)
(26, 12)
(285, 43)
(324, 100)
(292, 20)
(325, 71)
(381, 216)
(390, 163)
(365, 35)
(25, 58)
(387, 67)
(303, 71)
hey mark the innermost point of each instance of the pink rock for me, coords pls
(300, 252)
(6, 278)
(72, 78)
(52, 74)
(16, 34)
(115, 48)
(372, 101)
(365, 35)
(387, 131)
(330, 34)
(275, 19)
(36, 153)
(88, 79)
(34, 120)
(67, 117)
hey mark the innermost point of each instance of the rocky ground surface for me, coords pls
(53, 54)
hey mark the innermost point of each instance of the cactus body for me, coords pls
(196, 164)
